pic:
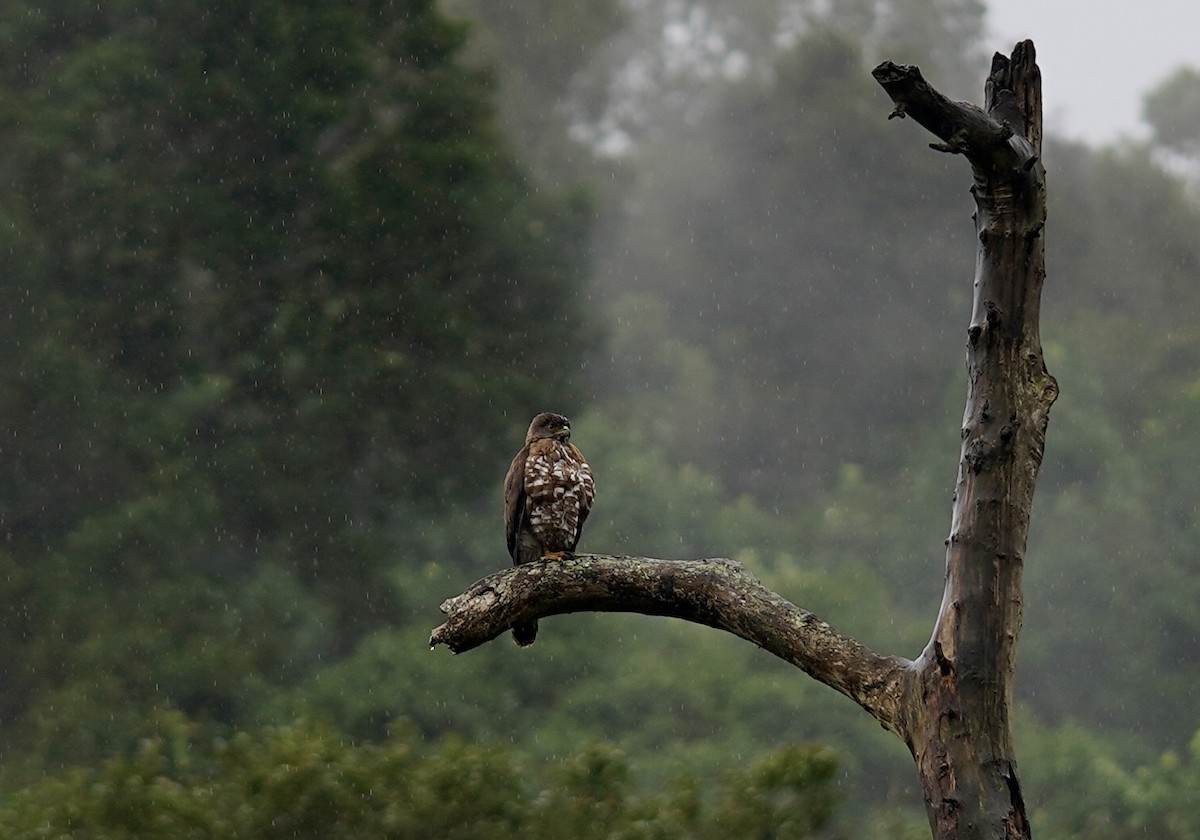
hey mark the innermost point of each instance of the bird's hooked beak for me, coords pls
(563, 434)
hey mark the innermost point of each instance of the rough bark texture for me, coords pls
(951, 706)
(718, 593)
(959, 729)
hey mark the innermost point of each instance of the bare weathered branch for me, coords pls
(718, 593)
(991, 140)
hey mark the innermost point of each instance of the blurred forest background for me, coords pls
(285, 282)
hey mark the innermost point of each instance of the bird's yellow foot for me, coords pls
(554, 555)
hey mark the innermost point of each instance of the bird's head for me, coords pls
(549, 425)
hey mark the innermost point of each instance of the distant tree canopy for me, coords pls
(296, 223)
(1173, 111)
(273, 269)
(777, 243)
(544, 52)
(306, 781)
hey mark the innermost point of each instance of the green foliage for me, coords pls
(777, 797)
(1083, 788)
(1125, 231)
(1112, 495)
(1173, 111)
(304, 780)
(274, 256)
(768, 294)
(283, 246)
(660, 78)
(119, 657)
(543, 52)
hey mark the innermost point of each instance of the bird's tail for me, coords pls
(524, 633)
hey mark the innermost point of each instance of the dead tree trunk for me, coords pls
(951, 705)
(958, 724)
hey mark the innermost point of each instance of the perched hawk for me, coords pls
(547, 495)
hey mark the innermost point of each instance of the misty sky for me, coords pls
(1143, 42)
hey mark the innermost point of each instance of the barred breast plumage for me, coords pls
(560, 489)
(548, 493)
